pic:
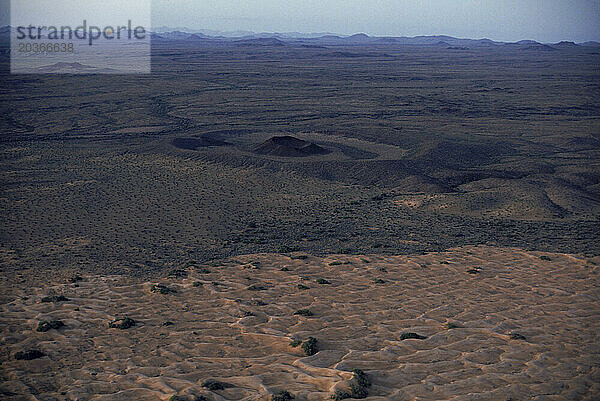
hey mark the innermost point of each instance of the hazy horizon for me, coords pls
(503, 20)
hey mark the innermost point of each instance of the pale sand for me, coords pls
(554, 304)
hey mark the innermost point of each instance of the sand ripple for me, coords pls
(235, 325)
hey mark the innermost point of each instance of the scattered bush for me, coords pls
(341, 395)
(29, 355)
(197, 284)
(284, 269)
(122, 323)
(45, 326)
(335, 263)
(379, 281)
(361, 378)
(303, 312)
(256, 287)
(546, 258)
(357, 391)
(451, 325)
(177, 273)
(322, 281)
(310, 346)
(408, 336)
(295, 343)
(168, 323)
(282, 396)
(76, 278)
(303, 287)
(213, 385)
(55, 298)
(517, 336)
(162, 289)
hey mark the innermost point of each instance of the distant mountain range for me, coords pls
(245, 38)
(329, 39)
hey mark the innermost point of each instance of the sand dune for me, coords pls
(233, 322)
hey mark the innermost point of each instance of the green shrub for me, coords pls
(517, 336)
(177, 273)
(409, 335)
(451, 325)
(304, 312)
(310, 346)
(29, 355)
(361, 378)
(55, 298)
(162, 289)
(256, 287)
(295, 343)
(282, 396)
(341, 395)
(379, 281)
(45, 326)
(213, 385)
(122, 323)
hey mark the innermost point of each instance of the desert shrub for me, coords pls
(323, 281)
(76, 278)
(361, 378)
(357, 391)
(546, 258)
(303, 312)
(168, 323)
(162, 289)
(29, 355)
(310, 346)
(197, 284)
(303, 287)
(379, 281)
(213, 384)
(473, 271)
(335, 263)
(177, 273)
(282, 396)
(55, 298)
(341, 395)
(295, 343)
(451, 325)
(256, 287)
(122, 323)
(284, 269)
(517, 336)
(409, 335)
(45, 326)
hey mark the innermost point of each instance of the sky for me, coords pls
(503, 20)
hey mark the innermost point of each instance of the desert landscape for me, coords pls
(278, 218)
